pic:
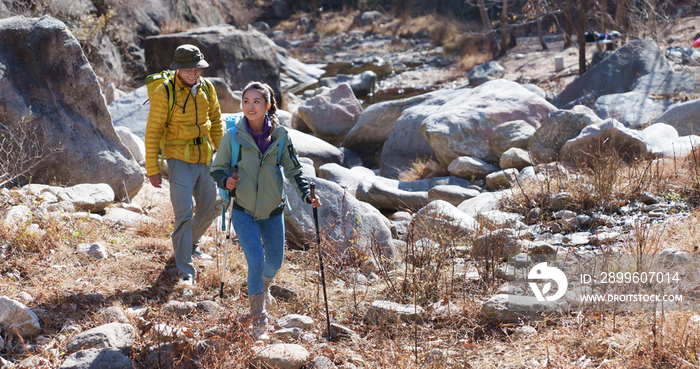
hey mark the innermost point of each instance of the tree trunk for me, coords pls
(504, 27)
(621, 16)
(604, 16)
(583, 12)
(487, 26)
(399, 8)
(538, 14)
(651, 22)
(568, 24)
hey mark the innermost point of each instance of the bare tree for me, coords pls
(487, 25)
(621, 16)
(568, 24)
(22, 149)
(504, 27)
(603, 15)
(581, 35)
(538, 14)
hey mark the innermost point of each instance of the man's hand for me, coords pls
(156, 180)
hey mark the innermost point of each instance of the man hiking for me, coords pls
(185, 115)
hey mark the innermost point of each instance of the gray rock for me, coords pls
(321, 362)
(559, 127)
(514, 309)
(95, 250)
(230, 102)
(604, 238)
(15, 318)
(683, 117)
(441, 215)
(495, 219)
(289, 334)
(296, 321)
(16, 216)
(502, 179)
(280, 355)
(208, 306)
(130, 112)
(464, 125)
(628, 143)
(483, 73)
(633, 109)
(88, 196)
(331, 114)
(67, 110)
(338, 210)
(369, 17)
(126, 217)
(515, 158)
(517, 133)
(383, 312)
(346, 178)
(179, 308)
(486, 201)
(455, 195)
(342, 333)
(361, 84)
(616, 73)
(666, 82)
(113, 336)
(321, 152)
(390, 194)
(133, 142)
(470, 168)
(168, 333)
(396, 123)
(97, 359)
(113, 314)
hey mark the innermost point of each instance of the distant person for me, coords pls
(258, 206)
(191, 136)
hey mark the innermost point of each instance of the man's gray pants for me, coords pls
(187, 180)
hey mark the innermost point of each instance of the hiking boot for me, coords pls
(197, 253)
(259, 315)
(187, 280)
(269, 299)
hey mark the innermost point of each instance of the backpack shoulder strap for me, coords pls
(170, 91)
(206, 88)
(280, 149)
(235, 147)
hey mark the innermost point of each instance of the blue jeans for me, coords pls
(262, 260)
(188, 180)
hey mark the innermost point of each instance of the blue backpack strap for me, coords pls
(225, 194)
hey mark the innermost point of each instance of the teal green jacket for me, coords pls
(260, 186)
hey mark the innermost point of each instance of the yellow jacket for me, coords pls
(193, 117)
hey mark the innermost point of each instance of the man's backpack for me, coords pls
(167, 78)
(225, 195)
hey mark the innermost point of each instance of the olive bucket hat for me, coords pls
(188, 57)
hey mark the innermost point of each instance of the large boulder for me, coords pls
(314, 148)
(517, 133)
(48, 87)
(633, 109)
(599, 139)
(405, 143)
(361, 84)
(443, 216)
(662, 140)
(343, 221)
(332, 113)
(131, 111)
(617, 73)
(463, 126)
(133, 142)
(684, 117)
(560, 126)
(113, 336)
(390, 194)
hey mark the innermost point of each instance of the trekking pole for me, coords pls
(228, 239)
(320, 261)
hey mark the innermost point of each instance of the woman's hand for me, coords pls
(232, 182)
(316, 202)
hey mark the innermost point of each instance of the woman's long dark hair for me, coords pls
(269, 95)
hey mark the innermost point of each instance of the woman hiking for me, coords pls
(258, 207)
